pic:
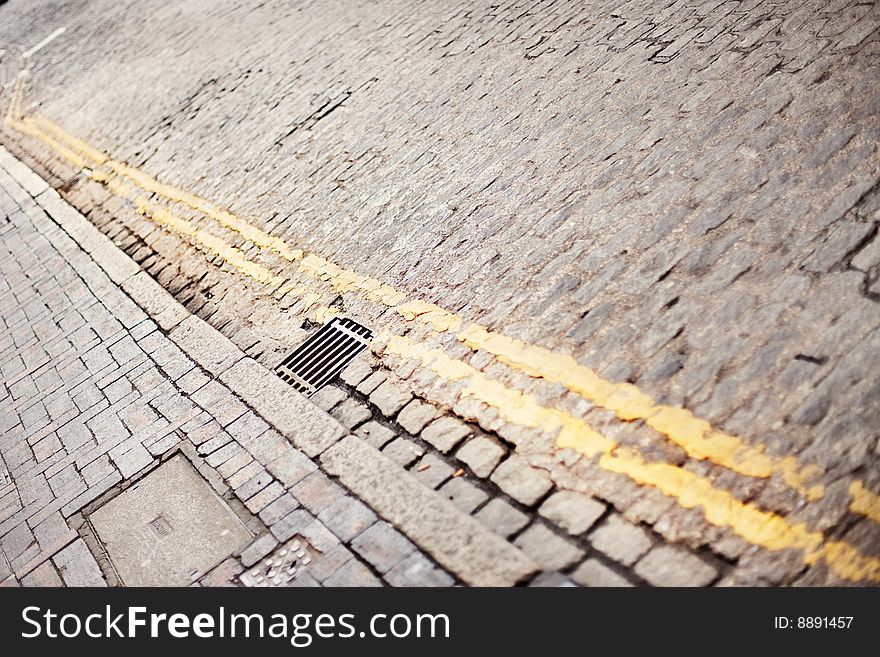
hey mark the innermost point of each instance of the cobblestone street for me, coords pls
(620, 261)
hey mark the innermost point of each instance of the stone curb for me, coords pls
(482, 558)
(293, 415)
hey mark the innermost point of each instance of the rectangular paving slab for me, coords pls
(169, 528)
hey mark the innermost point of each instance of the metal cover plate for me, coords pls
(169, 528)
(320, 358)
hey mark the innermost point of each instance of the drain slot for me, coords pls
(320, 358)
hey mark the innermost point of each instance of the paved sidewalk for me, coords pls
(95, 395)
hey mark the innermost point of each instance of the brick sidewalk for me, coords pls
(95, 395)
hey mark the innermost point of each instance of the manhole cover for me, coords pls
(314, 364)
(169, 528)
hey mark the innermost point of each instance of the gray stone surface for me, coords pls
(308, 427)
(682, 197)
(382, 546)
(669, 566)
(548, 549)
(77, 566)
(432, 470)
(390, 397)
(417, 570)
(347, 517)
(502, 517)
(457, 541)
(445, 433)
(463, 494)
(620, 540)
(521, 481)
(572, 511)
(166, 527)
(481, 454)
(593, 572)
(414, 416)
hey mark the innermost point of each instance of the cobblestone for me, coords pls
(390, 398)
(545, 547)
(696, 215)
(593, 573)
(382, 546)
(445, 433)
(521, 481)
(620, 540)
(481, 455)
(669, 566)
(572, 511)
(502, 517)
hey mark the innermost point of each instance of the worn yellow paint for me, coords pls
(51, 128)
(688, 489)
(864, 501)
(512, 405)
(695, 436)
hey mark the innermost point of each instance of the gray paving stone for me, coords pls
(328, 397)
(352, 413)
(375, 434)
(465, 495)
(259, 548)
(77, 566)
(620, 540)
(456, 540)
(417, 570)
(291, 524)
(548, 549)
(43, 575)
(432, 470)
(347, 517)
(382, 546)
(445, 433)
(481, 454)
(275, 511)
(416, 415)
(356, 372)
(308, 427)
(594, 573)
(372, 382)
(317, 491)
(574, 512)
(521, 481)
(502, 518)
(205, 345)
(551, 580)
(291, 468)
(390, 398)
(403, 451)
(352, 573)
(669, 566)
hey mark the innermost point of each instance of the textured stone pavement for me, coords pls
(681, 196)
(94, 395)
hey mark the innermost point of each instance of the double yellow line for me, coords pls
(696, 436)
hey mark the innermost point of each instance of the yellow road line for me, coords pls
(694, 435)
(688, 489)
(864, 501)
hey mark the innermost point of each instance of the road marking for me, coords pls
(689, 489)
(864, 501)
(695, 436)
(45, 42)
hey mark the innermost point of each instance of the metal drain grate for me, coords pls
(314, 364)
